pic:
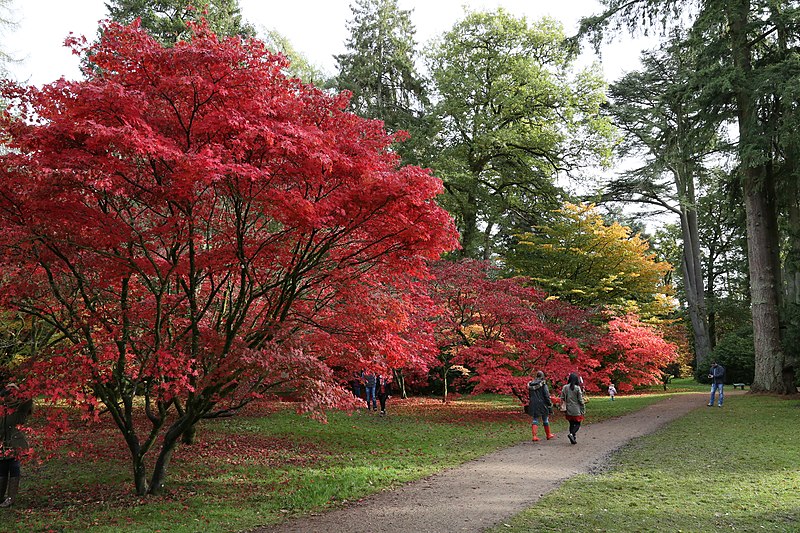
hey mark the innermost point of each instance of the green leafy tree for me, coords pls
(512, 111)
(166, 19)
(299, 65)
(378, 67)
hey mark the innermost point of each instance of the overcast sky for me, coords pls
(316, 28)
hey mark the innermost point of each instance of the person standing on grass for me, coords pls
(612, 391)
(14, 413)
(369, 387)
(717, 375)
(355, 383)
(540, 405)
(383, 389)
(572, 396)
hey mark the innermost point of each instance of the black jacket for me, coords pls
(717, 374)
(539, 403)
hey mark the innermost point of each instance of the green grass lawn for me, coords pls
(281, 464)
(730, 469)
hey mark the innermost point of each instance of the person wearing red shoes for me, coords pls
(539, 405)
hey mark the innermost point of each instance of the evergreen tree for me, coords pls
(749, 50)
(670, 128)
(379, 65)
(166, 19)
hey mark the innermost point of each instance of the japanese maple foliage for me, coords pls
(633, 353)
(504, 330)
(201, 229)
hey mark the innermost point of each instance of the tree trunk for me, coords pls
(487, 242)
(400, 380)
(139, 475)
(791, 278)
(470, 236)
(772, 373)
(168, 445)
(694, 286)
(444, 379)
(189, 435)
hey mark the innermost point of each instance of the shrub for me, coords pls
(736, 353)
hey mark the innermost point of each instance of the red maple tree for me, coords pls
(202, 230)
(504, 330)
(632, 353)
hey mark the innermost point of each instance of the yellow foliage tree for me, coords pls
(579, 258)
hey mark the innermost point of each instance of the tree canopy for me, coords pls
(202, 230)
(379, 65)
(166, 20)
(578, 257)
(512, 111)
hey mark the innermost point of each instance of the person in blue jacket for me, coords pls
(717, 376)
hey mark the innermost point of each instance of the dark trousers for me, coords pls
(9, 468)
(574, 427)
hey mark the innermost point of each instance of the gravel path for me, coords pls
(493, 488)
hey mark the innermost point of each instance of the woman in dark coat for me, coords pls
(383, 389)
(572, 396)
(14, 414)
(539, 405)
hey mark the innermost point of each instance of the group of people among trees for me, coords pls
(376, 387)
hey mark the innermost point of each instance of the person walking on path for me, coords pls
(14, 414)
(369, 387)
(612, 391)
(572, 396)
(717, 375)
(383, 389)
(540, 405)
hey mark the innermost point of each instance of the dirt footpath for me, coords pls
(484, 492)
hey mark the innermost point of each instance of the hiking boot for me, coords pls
(572, 438)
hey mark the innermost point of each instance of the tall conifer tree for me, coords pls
(379, 66)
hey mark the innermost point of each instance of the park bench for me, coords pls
(738, 386)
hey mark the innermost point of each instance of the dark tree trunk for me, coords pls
(168, 446)
(694, 286)
(772, 373)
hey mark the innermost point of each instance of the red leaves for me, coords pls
(200, 228)
(504, 330)
(633, 353)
